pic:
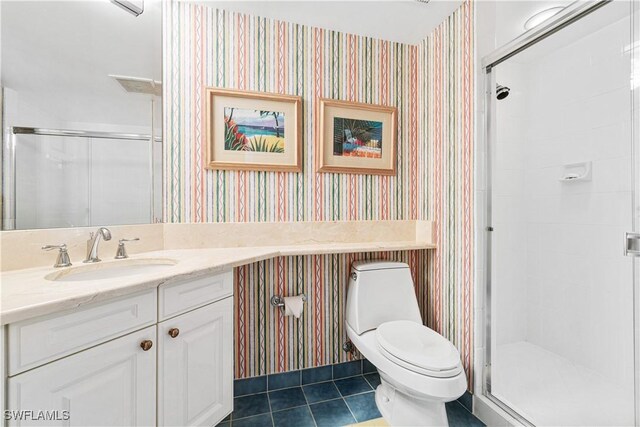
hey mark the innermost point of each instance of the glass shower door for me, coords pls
(52, 185)
(74, 181)
(562, 196)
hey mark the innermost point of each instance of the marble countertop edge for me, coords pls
(26, 294)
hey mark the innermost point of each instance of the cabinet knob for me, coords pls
(174, 332)
(146, 345)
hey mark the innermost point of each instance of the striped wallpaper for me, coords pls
(430, 83)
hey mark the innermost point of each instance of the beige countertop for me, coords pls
(26, 293)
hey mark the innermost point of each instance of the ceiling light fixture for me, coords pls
(134, 7)
(541, 16)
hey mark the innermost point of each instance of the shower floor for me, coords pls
(550, 390)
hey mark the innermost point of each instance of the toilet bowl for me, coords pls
(419, 369)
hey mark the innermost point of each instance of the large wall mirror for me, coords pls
(81, 113)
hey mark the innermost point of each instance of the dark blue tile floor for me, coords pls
(326, 396)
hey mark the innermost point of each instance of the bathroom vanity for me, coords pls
(146, 340)
(161, 356)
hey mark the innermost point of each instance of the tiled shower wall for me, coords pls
(564, 283)
(430, 83)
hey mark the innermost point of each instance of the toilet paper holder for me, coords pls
(278, 301)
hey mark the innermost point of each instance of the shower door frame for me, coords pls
(8, 212)
(564, 18)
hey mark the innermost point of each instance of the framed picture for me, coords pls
(253, 131)
(357, 138)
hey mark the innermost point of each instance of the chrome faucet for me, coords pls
(92, 244)
(63, 256)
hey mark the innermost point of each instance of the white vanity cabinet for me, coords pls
(113, 384)
(195, 362)
(163, 356)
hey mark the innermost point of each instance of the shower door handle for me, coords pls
(632, 244)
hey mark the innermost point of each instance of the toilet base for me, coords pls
(399, 409)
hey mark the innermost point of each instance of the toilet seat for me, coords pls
(418, 348)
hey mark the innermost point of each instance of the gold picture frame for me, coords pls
(357, 138)
(248, 130)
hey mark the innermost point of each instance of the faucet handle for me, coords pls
(62, 247)
(121, 253)
(128, 240)
(63, 256)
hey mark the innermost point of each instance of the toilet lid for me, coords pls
(414, 345)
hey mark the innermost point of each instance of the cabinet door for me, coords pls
(195, 366)
(112, 384)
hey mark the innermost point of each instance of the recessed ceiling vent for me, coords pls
(139, 85)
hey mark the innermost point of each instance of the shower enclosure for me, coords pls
(69, 178)
(561, 343)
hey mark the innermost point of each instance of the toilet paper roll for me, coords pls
(293, 306)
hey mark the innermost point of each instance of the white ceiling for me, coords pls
(510, 16)
(404, 21)
(588, 25)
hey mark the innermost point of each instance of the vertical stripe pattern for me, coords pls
(431, 85)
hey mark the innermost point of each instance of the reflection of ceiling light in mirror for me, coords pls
(134, 7)
(541, 16)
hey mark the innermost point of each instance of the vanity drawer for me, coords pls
(177, 298)
(37, 341)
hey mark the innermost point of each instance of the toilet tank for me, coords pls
(379, 292)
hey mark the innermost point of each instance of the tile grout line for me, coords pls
(359, 394)
(344, 399)
(370, 385)
(313, 417)
(345, 378)
(324, 401)
(350, 411)
(270, 408)
(465, 408)
(269, 391)
(307, 401)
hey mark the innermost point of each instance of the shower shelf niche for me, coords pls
(576, 172)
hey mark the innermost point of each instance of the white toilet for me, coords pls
(419, 368)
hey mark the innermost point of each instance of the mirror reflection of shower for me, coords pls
(502, 92)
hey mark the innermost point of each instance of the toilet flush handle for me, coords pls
(354, 276)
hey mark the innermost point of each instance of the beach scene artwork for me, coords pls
(254, 130)
(357, 138)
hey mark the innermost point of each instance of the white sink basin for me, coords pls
(112, 270)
